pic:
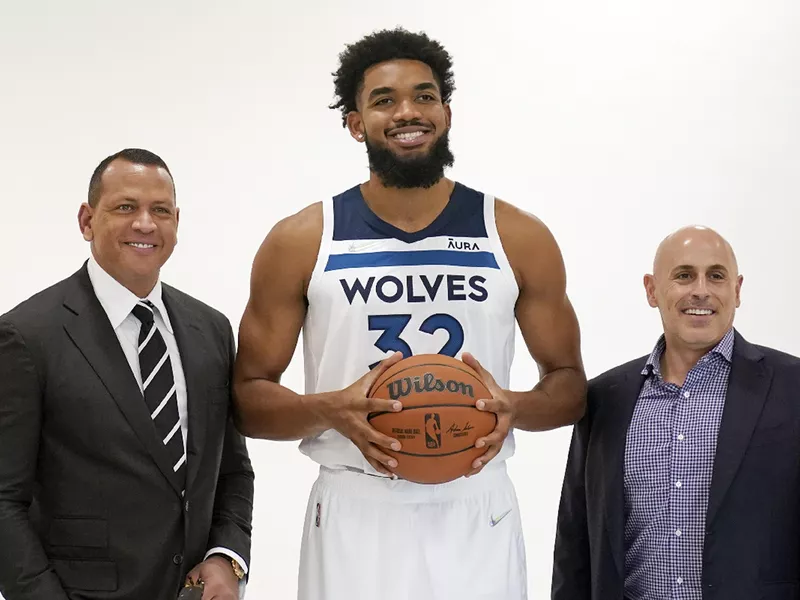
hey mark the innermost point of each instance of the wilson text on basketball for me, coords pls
(427, 383)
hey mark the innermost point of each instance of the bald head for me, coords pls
(695, 286)
(694, 238)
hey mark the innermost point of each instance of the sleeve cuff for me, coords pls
(229, 554)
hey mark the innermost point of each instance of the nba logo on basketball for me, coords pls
(433, 431)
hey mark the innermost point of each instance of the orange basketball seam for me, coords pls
(434, 455)
(391, 412)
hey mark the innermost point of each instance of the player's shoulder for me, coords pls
(289, 251)
(531, 248)
(293, 236)
(302, 230)
(514, 225)
(514, 222)
(299, 226)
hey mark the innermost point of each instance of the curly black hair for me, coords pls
(388, 44)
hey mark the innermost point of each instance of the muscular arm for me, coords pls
(270, 329)
(267, 339)
(547, 322)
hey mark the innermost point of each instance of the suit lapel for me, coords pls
(191, 344)
(747, 391)
(90, 330)
(617, 411)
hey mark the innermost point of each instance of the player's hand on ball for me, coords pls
(347, 413)
(500, 404)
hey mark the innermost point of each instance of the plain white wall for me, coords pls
(613, 121)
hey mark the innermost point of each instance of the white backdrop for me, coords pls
(614, 121)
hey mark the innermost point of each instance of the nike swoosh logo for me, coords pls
(364, 246)
(495, 520)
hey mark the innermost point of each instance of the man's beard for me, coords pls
(413, 172)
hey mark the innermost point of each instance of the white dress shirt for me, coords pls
(118, 302)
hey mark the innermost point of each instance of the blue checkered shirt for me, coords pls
(669, 459)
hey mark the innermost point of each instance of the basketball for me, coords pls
(439, 423)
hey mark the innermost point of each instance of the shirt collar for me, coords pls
(723, 348)
(117, 300)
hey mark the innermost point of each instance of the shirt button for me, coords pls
(680, 580)
(678, 484)
(685, 394)
(186, 506)
(678, 533)
(680, 437)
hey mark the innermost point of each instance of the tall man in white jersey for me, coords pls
(408, 262)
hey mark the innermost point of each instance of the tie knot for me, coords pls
(144, 312)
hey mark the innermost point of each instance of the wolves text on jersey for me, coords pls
(416, 288)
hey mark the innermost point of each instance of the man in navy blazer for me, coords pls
(683, 478)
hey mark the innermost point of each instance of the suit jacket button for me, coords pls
(177, 559)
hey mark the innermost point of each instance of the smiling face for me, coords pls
(696, 287)
(403, 121)
(133, 225)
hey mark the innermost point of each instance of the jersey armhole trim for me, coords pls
(490, 221)
(325, 242)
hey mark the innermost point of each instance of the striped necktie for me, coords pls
(158, 384)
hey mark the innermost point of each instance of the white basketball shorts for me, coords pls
(371, 538)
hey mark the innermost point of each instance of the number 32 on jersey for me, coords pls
(393, 327)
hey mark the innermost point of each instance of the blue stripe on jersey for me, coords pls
(411, 258)
(462, 217)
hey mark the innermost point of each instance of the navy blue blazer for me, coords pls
(752, 542)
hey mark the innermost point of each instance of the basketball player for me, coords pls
(408, 262)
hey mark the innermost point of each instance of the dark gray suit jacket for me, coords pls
(752, 542)
(89, 505)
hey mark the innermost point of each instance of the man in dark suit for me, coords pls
(120, 468)
(683, 478)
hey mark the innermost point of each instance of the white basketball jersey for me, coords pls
(375, 289)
